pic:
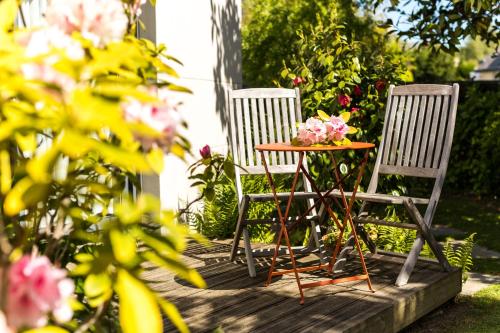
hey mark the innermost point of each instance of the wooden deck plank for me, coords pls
(237, 303)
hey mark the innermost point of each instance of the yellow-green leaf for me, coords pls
(27, 142)
(323, 116)
(24, 194)
(352, 130)
(155, 159)
(96, 284)
(5, 171)
(124, 246)
(8, 11)
(173, 314)
(97, 288)
(48, 329)
(346, 116)
(139, 311)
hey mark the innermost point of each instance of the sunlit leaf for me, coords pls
(97, 288)
(8, 11)
(155, 159)
(5, 172)
(345, 116)
(124, 246)
(352, 130)
(173, 314)
(139, 311)
(23, 195)
(323, 116)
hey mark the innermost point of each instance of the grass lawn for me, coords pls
(471, 214)
(479, 313)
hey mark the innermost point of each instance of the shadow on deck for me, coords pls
(237, 303)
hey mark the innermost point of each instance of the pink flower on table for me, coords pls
(36, 288)
(205, 152)
(313, 131)
(344, 100)
(100, 21)
(161, 117)
(336, 128)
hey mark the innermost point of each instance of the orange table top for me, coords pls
(288, 147)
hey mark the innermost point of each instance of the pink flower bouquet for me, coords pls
(324, 130)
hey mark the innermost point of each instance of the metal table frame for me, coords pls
(322, 198)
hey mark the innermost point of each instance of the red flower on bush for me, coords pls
(344, 100)
(358, 91)
(298, 80)
(380, 85)
(205, 152)
(355, 109)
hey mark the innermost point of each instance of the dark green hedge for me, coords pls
(475, 158)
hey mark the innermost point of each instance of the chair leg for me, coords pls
(427, 234)
(248, 253)
(239, 227)
(424, 234)
(411, 260)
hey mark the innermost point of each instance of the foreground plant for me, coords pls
(84, 107)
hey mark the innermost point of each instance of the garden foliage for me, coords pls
(475, 154)
(461, 256)
(84, 107)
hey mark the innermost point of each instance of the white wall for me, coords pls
(205, 36)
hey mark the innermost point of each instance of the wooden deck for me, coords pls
(237, 303)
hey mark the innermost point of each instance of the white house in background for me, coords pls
(205, 36)
(488, 69)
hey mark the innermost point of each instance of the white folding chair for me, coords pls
(257, 116)
(416, 142)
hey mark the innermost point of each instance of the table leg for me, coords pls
(283, 218)
(348, 217)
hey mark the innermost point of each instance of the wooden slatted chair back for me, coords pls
(417, 135)
(263, 115)
(418, 129)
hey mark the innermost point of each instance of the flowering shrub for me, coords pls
(324, 130)
(35, 289)
(84, 107)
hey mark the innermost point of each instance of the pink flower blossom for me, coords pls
(344, 100)
(336, 128)
(43, 41)
(35, 289)
(298, 80)
(358, 91)
(313, 131)
(100, 21)
(161, 117)
(205, 152)
(354, 109)
(46, 73)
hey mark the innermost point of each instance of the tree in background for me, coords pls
(443, 25)
(430, 66)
